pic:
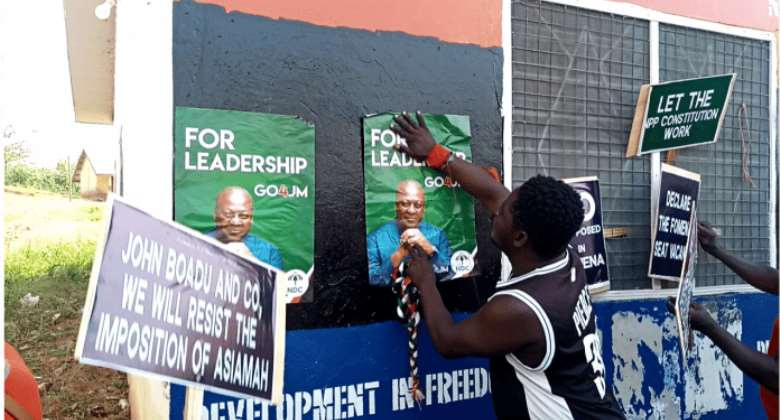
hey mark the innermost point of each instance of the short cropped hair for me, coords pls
(550, 212)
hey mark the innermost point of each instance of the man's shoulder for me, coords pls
(255, 241)
(426, 227)
(508, 305)
(386, 229)
(503, 314)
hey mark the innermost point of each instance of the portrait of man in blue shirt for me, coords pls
(233, 220)
(391, 242)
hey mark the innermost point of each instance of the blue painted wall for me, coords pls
(641, 351)
(335, 357)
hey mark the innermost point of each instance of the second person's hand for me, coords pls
(708, 236)
(700, 319)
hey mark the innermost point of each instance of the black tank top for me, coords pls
(569, 382)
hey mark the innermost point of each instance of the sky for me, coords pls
(35, 93)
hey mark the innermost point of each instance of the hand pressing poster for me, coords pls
(409, 204)
(247, 180)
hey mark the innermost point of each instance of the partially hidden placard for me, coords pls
(685, 293)
(407, 200)
(167, 302)
(247, 179)
(588, 242)
(677, 196)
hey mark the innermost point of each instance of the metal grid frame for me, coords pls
(575, 75)
(740, 210)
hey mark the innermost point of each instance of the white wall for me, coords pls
(144, 103)
(144, 113)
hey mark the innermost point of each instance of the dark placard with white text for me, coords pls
(588, 242)
(168, 302)
(677, 196)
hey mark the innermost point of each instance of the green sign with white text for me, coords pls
(247, 180)
(681, 114)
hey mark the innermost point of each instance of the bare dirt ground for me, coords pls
(45, 334)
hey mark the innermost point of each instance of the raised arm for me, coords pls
(501, 326)
(762, 277)
(421, 146)
(759, 366)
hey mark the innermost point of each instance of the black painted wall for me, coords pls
(333, 77)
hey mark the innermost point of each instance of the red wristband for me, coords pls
(437, 157)
(493, 172)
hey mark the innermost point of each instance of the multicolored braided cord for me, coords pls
(407, 310)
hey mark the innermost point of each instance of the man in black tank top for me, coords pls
(538, 329)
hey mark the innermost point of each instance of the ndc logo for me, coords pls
(284, 191)
(297, 284)
(462, 262)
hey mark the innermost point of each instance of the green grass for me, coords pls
(54, 263)
(27, 326)
(94, 213)
(50, 245)
(59, 274)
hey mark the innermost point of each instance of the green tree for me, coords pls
(15, 150)
(19, 173)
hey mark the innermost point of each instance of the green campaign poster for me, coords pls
(247, 179)
(408, 202)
